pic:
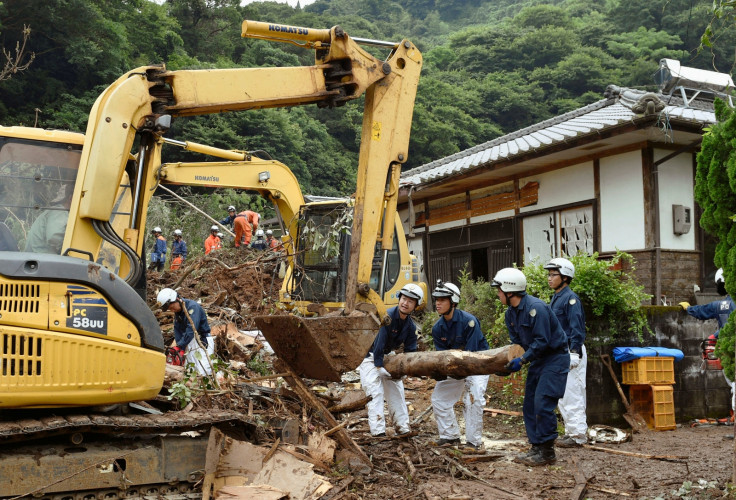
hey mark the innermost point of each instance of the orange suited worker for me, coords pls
(244, 224)
(212, 242)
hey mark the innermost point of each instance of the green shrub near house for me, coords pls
(610, 294)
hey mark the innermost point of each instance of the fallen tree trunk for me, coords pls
(452, 363)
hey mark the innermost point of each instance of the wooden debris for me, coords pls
(636, 455)
(321, 447)
(309, 398)
(610, 491)
(260, 491)
(408, 462)
(453, 363)
(496, 411)
(351, 401)
(581, 482)
(487, 457)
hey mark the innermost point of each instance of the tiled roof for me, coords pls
(620, 105)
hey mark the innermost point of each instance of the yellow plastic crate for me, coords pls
(652, 370)
(656, 404)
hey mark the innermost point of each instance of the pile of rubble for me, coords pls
(312, 439)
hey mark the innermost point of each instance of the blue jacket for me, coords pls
(461, 332)
(718, 309)
(569, 311)
(159, 250)
(179, 248)
(259, 244)
(400, 331)
(532, 325)
(183, 332)
(228, 221)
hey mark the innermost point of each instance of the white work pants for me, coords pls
(573, 403)
(378, 387)
(200, 357)
(446, 393)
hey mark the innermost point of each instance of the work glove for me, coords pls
(684, 305)
(383, 373)
(514, 365)
(574, 360)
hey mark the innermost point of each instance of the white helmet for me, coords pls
(220, 235)
(565, 267)
(412, 291)
(447, 290)
(509, 279)
(719, 276)
(177, 232)
(268, 232)
(214, 228)
(156, 230)
(231, 208)
(259, 233)
(166, 297)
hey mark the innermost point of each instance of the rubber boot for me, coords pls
(545, 456)
(534, 450)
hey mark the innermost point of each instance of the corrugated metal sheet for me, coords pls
(591, 119)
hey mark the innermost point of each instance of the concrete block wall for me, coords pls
(697, 393)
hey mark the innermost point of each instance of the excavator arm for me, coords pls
(138, 108)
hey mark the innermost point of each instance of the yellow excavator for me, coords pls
(74, 328)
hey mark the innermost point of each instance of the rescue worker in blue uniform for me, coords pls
(184, 329)
(158, 253)
(719, 310)
(457, 329)
(375, 379)
(534, 327)
(178, 250)
(568, 308)
(231, 213)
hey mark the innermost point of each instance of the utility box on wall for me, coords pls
(681, 219)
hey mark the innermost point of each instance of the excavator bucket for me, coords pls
(321, 348)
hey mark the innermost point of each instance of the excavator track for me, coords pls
(44, 427)
(93, 456)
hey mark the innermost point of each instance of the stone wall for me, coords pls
(680, 270)
(697, 394)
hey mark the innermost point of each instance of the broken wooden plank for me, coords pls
(453, 363)
(308, 397)
(581, 482)
(494, 411)
(635, 454)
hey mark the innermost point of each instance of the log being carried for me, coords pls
(452, 363)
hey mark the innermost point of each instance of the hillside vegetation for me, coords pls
(491, 67)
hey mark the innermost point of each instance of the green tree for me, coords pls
(715, 186)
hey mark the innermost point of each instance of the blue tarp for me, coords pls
(621, 354)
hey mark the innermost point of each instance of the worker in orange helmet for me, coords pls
(245, 223)
(212, 242)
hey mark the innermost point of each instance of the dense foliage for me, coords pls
(491, 66)
(611, 297)
(715, 192)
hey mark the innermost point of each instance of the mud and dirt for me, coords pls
(688, 462)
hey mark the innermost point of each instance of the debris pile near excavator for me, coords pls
(310, 439)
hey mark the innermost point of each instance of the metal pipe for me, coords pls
(138, 181)
(382, 275)
(226, 154)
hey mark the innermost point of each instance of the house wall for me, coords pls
(676, 185)
(622, 202)
(562, 187)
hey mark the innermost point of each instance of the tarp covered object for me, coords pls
(621, 354)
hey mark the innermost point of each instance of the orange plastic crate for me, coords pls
(651, 370)
(656, 404)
